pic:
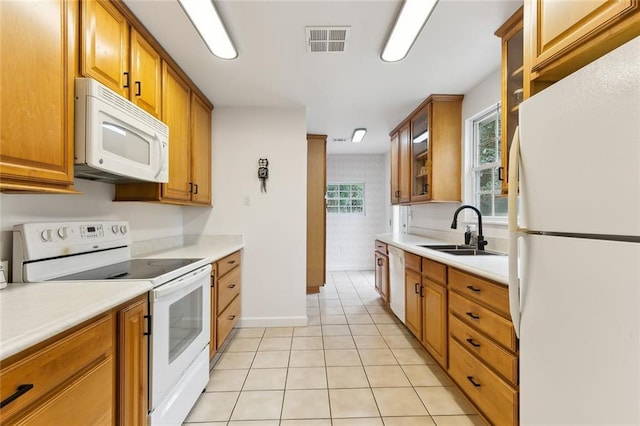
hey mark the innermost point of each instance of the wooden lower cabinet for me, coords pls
(133, 355)
(435, 320)
(413, 302)
(483, 348)
(382, 271)
(93, 374)
(225, 298)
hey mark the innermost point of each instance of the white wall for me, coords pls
(435, 219)
(274, 224)
(350, 236)
(147, 220)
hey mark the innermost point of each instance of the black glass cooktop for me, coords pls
(134, 269)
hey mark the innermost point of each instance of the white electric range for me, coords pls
(179, 304)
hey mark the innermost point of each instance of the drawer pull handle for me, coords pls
(472, 343)
(231, 262)
(474, 316)
(231, 286)
(473, 382)
(472, 288)
(231, 317)
(20, 390)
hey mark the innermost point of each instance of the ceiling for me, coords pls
(341, 91)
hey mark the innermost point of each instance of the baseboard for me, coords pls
(272, 322)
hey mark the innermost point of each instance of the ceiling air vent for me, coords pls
(327, 39)
(340, 139)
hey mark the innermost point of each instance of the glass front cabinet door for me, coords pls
(421, 156)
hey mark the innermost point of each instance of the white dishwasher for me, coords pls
(396, 281)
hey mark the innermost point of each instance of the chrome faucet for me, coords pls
(454, 224)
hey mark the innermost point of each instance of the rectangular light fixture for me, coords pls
(358, 135)
(204, 17)
(421, 137)
(409, 23)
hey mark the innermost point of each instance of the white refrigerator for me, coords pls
(574, 273)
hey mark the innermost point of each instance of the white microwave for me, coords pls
(115, 140)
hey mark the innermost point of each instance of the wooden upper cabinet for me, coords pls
(176, 105)
(200, 151)
(105, 47)
(445, 133)
(420, 156)
(36, 76)
(404, 163)
(394, 156)
(563, 36)
(146, 75)
(512, 86)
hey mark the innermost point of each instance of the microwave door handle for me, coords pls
(162, 154)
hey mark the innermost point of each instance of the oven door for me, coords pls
(181, 312)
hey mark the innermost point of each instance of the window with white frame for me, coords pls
(485, 145)
(345, 198)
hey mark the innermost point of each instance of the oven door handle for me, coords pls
(184, 282)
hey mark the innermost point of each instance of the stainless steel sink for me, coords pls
(447, 247)
(460, 250)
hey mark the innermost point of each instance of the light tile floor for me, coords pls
(355, 364)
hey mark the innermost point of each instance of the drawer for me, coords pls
(226, 320)
(54, 364)
(228, 288)
(434, 271)
(495, 296)
(381, 247)
(480, 318)
(92, 397)
(492, 354)
(228, 263)
(493, 396)
(411, 261)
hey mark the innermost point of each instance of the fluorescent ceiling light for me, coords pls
(205, 19)
(421, 137)
(409, 23)
(358, 135)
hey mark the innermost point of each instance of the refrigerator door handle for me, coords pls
(514, 232)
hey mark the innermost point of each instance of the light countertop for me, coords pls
(31, 313)
(491, 267)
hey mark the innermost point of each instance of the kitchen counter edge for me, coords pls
(494, 268)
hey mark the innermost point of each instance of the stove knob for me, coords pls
(115, 229)
(63, 232)
(46, 235)
(123, 229)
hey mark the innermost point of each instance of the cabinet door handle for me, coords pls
(126, 83)
(196, 188)
(500, 177)
(148, 318)
(421, 291)
(231, 317)
(474, 316)
(472, 288)
(138, 88)
(379, 261)
(472, 343)
(20, 390)
(473, 382)
(231, 286)
(415, 289)
(190, 187)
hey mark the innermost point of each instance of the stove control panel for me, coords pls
(53, 239)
